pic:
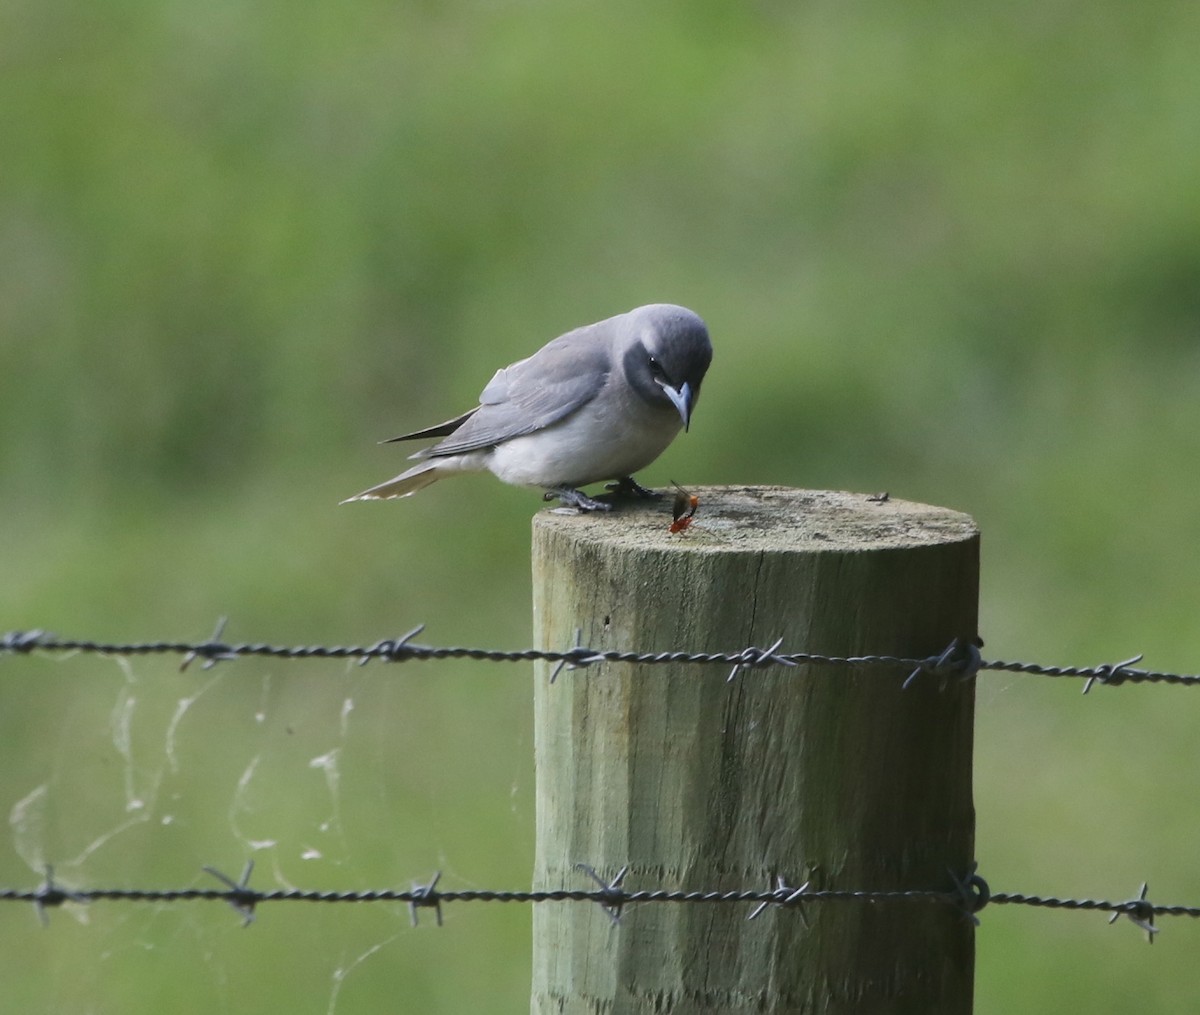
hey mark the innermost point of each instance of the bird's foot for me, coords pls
(576, 499)
(627, 486)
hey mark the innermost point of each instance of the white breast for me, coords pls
(608, 438)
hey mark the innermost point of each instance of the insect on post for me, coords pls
(683, 509)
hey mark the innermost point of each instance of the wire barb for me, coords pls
(960, 658)
(22, 641)
(240, 896)
(787, 897)
(751, 657)
(576, 656)
(1140, 911)
(611, 896)
(1112, 674)
(212, 651)
(48, 895)
(426, 895)
(394, 650)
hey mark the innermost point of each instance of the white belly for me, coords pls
(587, 447)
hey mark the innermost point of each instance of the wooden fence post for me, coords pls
(833, 775)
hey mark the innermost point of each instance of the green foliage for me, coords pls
(950, 251)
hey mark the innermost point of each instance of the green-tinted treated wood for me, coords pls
(829, 774)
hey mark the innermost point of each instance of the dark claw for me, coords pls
(627, 486)
(577, 499)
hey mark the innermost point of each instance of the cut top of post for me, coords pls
(740, 519)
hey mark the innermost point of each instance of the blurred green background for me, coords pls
(948, 250)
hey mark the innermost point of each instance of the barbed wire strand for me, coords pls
(970, 894)
(961, 659)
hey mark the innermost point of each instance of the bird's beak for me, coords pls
(681, 398)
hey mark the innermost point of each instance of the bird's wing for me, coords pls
(533, 393)
(441, 430)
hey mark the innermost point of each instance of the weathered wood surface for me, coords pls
(833, 775)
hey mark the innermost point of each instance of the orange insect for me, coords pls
(683, 509)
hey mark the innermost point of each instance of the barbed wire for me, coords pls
(961, 659)
(970, 895)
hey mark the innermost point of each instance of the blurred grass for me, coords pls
(951, 252)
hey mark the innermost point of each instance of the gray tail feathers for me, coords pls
(406, 483)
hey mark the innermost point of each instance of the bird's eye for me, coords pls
(656, 368)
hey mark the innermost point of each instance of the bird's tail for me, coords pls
(406, 483)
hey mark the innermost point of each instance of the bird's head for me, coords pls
(667, 355)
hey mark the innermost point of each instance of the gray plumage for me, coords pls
(597, 403)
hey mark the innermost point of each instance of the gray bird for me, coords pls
(598, 403)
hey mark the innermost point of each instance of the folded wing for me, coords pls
(532, 394)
